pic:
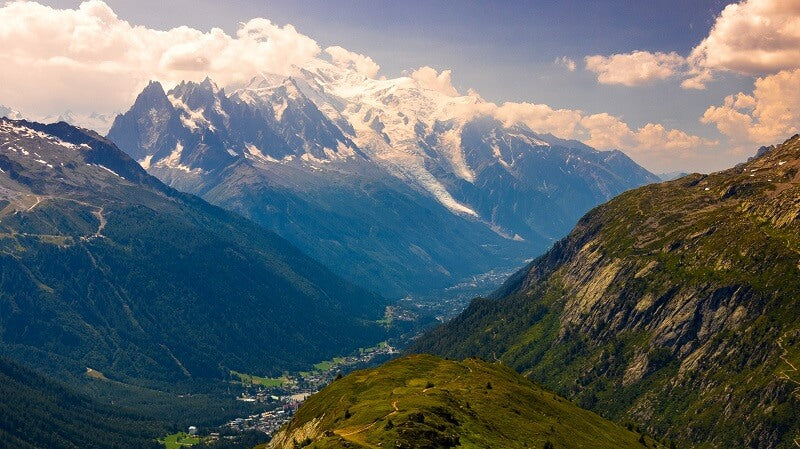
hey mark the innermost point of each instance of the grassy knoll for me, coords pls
(423, 401)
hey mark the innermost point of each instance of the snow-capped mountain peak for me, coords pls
(8, 112)
(326, 154)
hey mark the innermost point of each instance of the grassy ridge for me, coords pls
(422, 401)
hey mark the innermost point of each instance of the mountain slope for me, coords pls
(38, 412)
(103, 266)
(674, 304)
(347, 168)
(421, 401)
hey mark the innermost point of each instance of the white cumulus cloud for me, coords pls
(429, 78)
(635, 68)
(768, 115)
(753, 37)
(55, 56)
(652, 145)
(354, 61)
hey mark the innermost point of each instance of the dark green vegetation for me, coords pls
(421, 401)
(36, 412)
(674, 305)
(104, 267)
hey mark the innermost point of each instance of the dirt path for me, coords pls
(102, 219)
(38, 200)
(98, 212)
(369, 426)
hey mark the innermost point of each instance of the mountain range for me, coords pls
(95, 121)
(395, 186)
(674, 305)
(106, 268)
(671, 307)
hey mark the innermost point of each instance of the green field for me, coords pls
(328, 364)
(179, 440)
(256, 380)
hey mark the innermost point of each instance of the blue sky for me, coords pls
(506, 51)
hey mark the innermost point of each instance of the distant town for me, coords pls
(283, 396)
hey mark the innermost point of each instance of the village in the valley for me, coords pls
(283, 396)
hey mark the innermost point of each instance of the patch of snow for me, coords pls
(499, 156)
(343, 150)
(106, 169)
(308, 157)
(255, 153)
(330, 153)
(530, 140)
(451, 142)
(279, 109)
(44, 162)
(190, 118)
(145, 163)
(174, 161)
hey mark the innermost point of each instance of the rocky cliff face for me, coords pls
(674, 305)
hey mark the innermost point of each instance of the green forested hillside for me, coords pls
(36, 412)
(421, 401)
(675, 305)
(104, 267)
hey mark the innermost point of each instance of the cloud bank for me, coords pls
(769, 115)
(754, 37)
(51, 56)
(652, 144)
(353, 61)
(429, 78)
